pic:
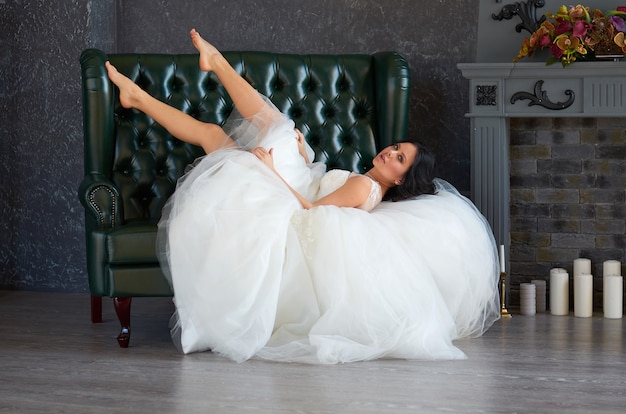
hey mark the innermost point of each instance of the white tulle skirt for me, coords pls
(255, 275)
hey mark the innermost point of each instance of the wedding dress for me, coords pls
(256, 275)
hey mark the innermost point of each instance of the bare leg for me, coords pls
(246, 98)
(184, 127)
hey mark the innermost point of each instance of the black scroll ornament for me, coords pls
(541, 98)
(527, 12)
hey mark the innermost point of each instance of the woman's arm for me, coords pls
(352, 194)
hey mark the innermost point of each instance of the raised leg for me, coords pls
(247, 100)
(96, 309)
(122, 309)
(184, 127)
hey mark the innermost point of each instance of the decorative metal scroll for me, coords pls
(540, 98)
(527, 12)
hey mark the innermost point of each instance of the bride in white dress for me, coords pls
(270, 256)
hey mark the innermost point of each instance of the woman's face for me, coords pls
(394, 161)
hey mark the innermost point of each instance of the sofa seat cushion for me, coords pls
(133, 243)
(136, 281)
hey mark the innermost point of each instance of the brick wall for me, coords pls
(568, 192)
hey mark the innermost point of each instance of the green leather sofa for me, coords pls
(348, 107)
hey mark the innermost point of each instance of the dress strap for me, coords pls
(375, 196)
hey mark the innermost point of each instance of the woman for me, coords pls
(280, 260)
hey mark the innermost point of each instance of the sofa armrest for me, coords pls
(102, 201)
(393, 90)
(98, 113)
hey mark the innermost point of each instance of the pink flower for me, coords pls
(622, 9)
(580, 28)
(556, 51)
(563, 26)
(545, 41)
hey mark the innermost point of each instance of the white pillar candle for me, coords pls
(540, 291)
(528, 299)
(583, 295)
(611, 268)
(613, 292)
(582, 266)
(609, 295)
(559, 291)
(502, 259)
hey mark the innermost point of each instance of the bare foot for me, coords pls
(207, 51)
(130, 93)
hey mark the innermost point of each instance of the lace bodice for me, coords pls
(334, 179)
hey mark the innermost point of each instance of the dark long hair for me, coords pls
(418, 179)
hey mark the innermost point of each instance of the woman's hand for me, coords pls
(265, 156)
(302, 145)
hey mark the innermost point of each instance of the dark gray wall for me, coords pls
(41, 236)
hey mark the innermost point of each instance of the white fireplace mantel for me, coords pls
(583, 89)
(499, 91)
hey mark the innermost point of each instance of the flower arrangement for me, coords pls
(577, 33)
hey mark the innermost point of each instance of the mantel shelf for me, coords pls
(534, 89)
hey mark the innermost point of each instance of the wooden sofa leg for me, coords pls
(122, 308)
(96, 309)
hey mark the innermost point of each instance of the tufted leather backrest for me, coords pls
(347, 106)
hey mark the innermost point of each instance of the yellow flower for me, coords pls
(524, 51)
(579, 13)
(566, 43)
(619, 40)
